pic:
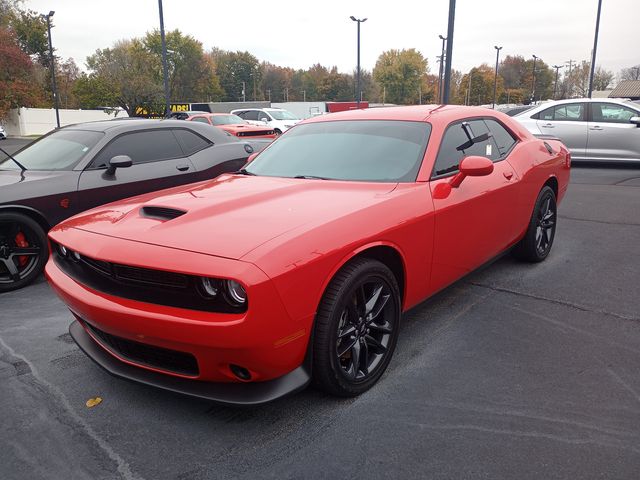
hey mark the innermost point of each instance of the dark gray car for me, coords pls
(85, 165)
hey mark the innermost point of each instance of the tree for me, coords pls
(16, 75)
(477, 86)
(191, 74)
(602, 78)
(129, 72)
(234, 68)
(67, 74)
(399, 73)
(631, 73)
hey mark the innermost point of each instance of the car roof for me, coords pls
(416, 113)
(125, 124)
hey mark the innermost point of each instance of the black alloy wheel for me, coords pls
(23, 251)
(538, 240)
(356, 328)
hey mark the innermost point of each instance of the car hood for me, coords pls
(231, 215)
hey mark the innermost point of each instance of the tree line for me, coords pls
(128, 75)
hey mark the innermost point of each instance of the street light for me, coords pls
(358, 94)
(555, 85)
(495, 76)
(53, 68)
(595, 49)
(533, 81)
(444, 39)
(165, 74)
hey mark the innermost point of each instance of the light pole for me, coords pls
(595, 49)
(533, 80)
(444, 39)
(447, 68)
(555, 85)
(469, 88)
(53, 68)
(358, 21)
(495, 76)
(570, 63)
(165, 74)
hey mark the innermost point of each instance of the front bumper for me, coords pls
(240, 394)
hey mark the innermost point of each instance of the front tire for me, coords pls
(538, 240)
(356, 328)
(23, 250)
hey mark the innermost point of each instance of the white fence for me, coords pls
(38, 121)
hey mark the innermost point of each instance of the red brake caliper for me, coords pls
(21, 241)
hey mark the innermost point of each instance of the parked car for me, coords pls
(233, 124)
(3, 133)
(595, 129)
(89, 164)
(515, 110)
(239, 289)
(277, 118)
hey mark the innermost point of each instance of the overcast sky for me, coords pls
(300, 33)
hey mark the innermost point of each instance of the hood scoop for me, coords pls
(161, 213)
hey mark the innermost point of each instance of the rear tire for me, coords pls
(356, 328)
(538, 240)
(23, 250)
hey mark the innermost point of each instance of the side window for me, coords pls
(611, 113)
(501, 136)
(200, 119)
(251, 115)
(568, 112)
(264, 115)
(455, 146)
(190, 142)
(142, 147)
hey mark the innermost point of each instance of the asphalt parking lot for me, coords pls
(516, 372)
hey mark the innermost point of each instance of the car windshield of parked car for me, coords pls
(282, 115)
(362, 150)
(60, 150)
(226, 119)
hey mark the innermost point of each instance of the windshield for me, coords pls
(226, 119)
(362, 150)
(282, 115)
(60, 150)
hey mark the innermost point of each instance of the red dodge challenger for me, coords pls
(242, 288)
(234, 125)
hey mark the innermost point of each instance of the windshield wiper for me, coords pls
(244, 171)
(314, 177)
(22, 167)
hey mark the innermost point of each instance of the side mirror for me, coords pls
(119, 161)
(251, 157)
(264, 120)
(635, 120)
(472, 166)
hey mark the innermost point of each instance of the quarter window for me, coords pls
(142, 147)
(190, 142)
(200, 120)
(455, 146)
(568, 112)
(611, 113)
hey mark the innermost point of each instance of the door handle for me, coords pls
(548, 125)
(597, 127)
(508, 175)
(183, 168)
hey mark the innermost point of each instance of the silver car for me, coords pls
(597, 129)
(3, 134)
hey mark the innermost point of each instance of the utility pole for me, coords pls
(469, 89)
(304, 95)
(595, 49)
(244, 97)
(440, 73)
(533, 81)
(555, 85)
(358, 92)
(165, 73)
(54, 87)
(569, 85)
(449, 54)
(495, 76)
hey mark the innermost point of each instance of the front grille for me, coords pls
(148, 355)
(148, 285)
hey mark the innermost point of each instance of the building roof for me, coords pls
(626, 89)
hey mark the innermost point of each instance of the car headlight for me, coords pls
(235, 292)
(63, 250)
(210, 286)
